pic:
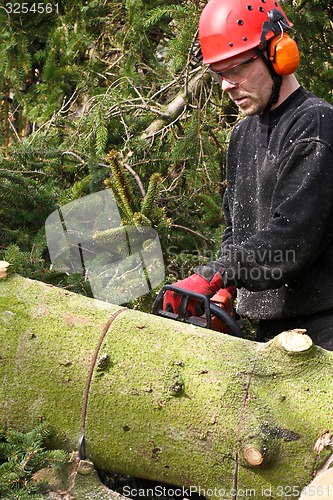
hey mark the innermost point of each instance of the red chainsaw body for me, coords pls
(224, 299)
(216, 313)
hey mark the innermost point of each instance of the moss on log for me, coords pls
(162, 400)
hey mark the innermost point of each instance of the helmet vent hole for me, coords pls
(240, 22)
(231, 44)
(244, 39)
(249, 7)
(261, 9)
(263, 1)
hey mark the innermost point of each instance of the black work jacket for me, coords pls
(278, 243)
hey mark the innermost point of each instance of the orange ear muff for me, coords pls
(284, 54)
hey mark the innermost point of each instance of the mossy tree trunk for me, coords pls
(163, 400)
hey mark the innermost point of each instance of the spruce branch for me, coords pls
(150, 200)
(211, 204)
(187, 229)
(114, 236)
(140, 219)
(120, 185)
(22, 456)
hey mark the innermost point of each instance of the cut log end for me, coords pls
(253, 455)
(3, 269)
(295, 340)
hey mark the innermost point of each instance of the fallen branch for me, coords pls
(173, 110)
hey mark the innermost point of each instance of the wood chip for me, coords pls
(3, 268)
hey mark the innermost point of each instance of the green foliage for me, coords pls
(21, 456)
(33, 265)
(313, 24)
(29, 264)
(144, 212)
(25, 202)
(95, 77)
(185, 17)
(149, 202)
(121, 187)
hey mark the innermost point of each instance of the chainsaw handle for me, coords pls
(182, 314)
(205, 320)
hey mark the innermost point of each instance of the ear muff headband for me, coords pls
(284, 54)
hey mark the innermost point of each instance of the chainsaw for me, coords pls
(216, 313)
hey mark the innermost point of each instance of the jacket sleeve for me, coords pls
(227, 238)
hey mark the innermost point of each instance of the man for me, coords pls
(278, 244)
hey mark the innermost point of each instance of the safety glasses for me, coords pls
(236, 74)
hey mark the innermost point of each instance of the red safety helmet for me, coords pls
(229, 27)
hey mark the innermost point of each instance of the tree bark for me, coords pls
(162, 400)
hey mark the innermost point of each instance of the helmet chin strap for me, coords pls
(277, 82)
(277, 79)
(274, 97)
